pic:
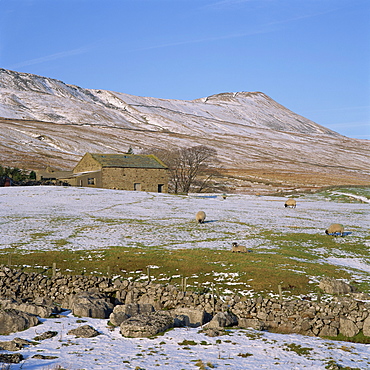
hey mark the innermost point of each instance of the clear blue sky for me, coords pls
(312, 56)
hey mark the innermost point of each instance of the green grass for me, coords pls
(260, 271)
(358, 338)
(298, 349)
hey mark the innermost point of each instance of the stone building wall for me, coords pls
(87, 163)
(126, 178)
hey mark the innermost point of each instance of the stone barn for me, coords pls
(121, 171)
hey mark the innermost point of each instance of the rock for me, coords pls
(333, 286)
(85, 331)
(46, 335)
(14, 358)
(12, 321)
(366, 327)
(195, 316)
(250, 323)
(181, 321)
(213, 332)
(31, 308)
(124, 311)
(328, 331)
(87, 304)
(347, 327)
(44, 357)
(222, 320)
(10, 346)
(146, 325)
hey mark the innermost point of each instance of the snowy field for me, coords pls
(37, 218)
(181, 348)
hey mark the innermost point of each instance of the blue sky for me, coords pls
(312, 56)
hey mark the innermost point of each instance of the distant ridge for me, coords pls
(48, 122)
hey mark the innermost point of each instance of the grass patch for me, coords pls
(298, 349)
(187, 343)
(258, 272)
(359, 338)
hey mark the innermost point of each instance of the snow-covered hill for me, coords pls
(48, 122)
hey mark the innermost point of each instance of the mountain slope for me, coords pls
(48, 122)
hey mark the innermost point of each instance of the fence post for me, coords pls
(148, 269)
(280, 293)
(54, 269)
(213, 298)
(318, 297)
(108, 272)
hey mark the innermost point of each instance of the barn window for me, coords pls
(91, 181)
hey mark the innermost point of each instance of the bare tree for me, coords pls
(187, 166)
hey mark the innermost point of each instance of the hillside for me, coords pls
(262, 146)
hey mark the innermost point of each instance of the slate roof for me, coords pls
(128, 160)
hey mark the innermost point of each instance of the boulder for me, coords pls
(366, 328)
(34, 309)
(14, 345)
(11, 358)
(181, 321)
(195, 316)
(147, 325)
(85, 304)
(84, 331)
(222, 320)
(328, 331)
(347, 327)
(46, 335)
(333, 286)
(12, 321)
(124, 311)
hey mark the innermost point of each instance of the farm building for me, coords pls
(52, 175)
(121, 171)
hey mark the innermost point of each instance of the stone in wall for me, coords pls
(348, 328)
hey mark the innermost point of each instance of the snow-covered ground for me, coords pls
(34, 218)
(240, 349)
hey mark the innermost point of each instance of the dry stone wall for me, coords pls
(343, 315)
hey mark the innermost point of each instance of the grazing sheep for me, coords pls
(238, 248)
(335, 229)
(291, 203)
(200, 217)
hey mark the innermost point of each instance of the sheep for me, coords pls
(291, 203)
(335, 229)
(200, 217)
(238, 248)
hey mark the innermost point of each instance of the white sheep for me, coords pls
(238, 248)
(200, 217)
(291, 203)
(335, 229)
